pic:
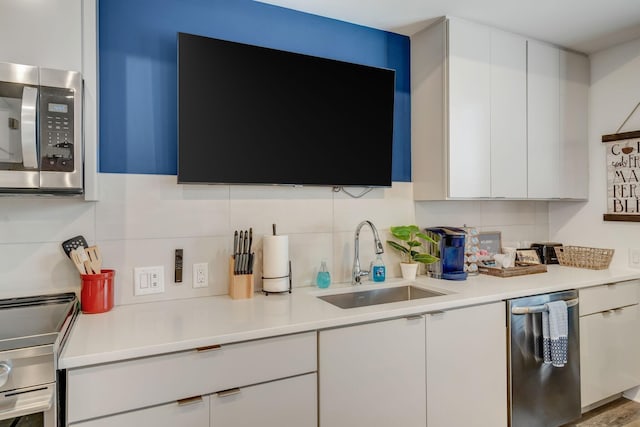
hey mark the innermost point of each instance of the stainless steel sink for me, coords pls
(378, 296)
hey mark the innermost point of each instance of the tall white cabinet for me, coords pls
(495, 115)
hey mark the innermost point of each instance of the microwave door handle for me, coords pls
(28, 127)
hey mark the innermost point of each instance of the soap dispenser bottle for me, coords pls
(378, 270)
(323, 279)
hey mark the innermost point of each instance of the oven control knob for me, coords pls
(5, 369)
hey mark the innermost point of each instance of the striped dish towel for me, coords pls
(555, 333)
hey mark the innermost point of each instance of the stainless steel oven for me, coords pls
(32, 331)
(41, 148)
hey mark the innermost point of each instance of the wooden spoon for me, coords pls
(77, 261)
(95, 258)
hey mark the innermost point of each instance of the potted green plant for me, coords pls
(410, 249)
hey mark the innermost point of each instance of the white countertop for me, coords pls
(139, 330)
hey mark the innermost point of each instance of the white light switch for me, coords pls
(148, 280)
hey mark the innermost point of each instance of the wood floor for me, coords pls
(619, 413)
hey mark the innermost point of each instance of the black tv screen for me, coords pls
(254, 115)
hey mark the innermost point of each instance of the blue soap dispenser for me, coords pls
(378, 270)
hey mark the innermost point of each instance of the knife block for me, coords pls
(240, 285)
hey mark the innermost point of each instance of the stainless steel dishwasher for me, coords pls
(541, 394)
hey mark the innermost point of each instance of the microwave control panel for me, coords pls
(56, 129)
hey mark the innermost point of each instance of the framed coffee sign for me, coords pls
(623, 176)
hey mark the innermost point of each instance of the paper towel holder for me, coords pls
(279, 277)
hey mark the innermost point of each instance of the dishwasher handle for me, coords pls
(540, 308)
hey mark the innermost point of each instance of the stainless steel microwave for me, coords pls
(40, 130)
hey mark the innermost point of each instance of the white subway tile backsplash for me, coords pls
(455, 213)
(344, 253)
(154, 206)
(35, 268)
(45, 219)
(141, 219)
(382, 206)
(292, 209)
(512, 212)
(307, 252)
(124, 255)
(542, 213)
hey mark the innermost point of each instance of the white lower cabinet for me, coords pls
(373, 374)
(609, 353)
(467, 367)
(271, 382)
(288, 402)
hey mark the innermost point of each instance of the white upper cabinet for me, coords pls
(508, 115)
(496, 116)
(469, 109)
(543, 87)
(574, 103)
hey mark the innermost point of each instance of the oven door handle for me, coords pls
(540, 308)
(25, 402)
(28, 127)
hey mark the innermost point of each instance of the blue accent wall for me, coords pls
(138, 69)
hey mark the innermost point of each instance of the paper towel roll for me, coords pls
(275, 263)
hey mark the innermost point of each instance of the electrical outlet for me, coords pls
(634, 258)
(201, 275)
(148, 280)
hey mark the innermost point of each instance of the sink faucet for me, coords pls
(357, 272)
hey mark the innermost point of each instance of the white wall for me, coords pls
(615, 91)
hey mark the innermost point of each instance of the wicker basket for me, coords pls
(583, 257)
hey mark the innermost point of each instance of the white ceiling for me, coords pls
(583, 25)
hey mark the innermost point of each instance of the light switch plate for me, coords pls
(148, 280)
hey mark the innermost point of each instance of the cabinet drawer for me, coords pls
(608, 297)
(288, 402)
(194, 414)
(111, 388)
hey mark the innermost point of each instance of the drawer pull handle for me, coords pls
(415, 317)
(189, 401)
(437, 313)
(209, 348)
(230, 392)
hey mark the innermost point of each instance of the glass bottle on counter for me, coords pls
(323, 279)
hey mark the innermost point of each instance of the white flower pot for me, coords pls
(409, 271)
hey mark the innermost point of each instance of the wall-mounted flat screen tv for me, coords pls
(255, 115)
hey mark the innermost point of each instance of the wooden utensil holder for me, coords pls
(240, 285)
